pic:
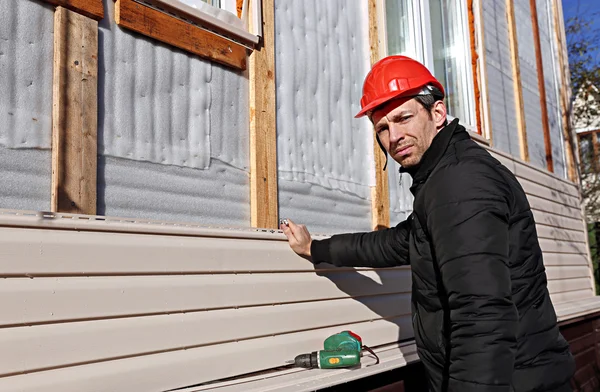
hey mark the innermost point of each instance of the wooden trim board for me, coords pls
(380, 196)
(91, 8)
(173, 31)
(74, 113)
(541, 85)
(474, 64)
(264, 204)
(571, 148)
(516, 73)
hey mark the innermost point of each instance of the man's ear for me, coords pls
(439, 114)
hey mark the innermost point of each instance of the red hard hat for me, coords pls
(394, 77)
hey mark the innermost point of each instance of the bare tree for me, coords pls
(583, 41)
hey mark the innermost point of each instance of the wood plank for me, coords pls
(77, 298)
(565, 285)
(184, 367)
(484, 101)
(264, 207)
(565, 96)
(541, 84)
(173, 31)
(74, 113)
(380, 195)
(91, 8)
(475, 64)
(567, 272)
(516, 74)
(46, 346)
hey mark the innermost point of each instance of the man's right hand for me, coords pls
(298, 237)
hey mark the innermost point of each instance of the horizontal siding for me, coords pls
(159, 372)
(561, 229)
(154, 312)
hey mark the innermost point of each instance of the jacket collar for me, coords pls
(452, 132)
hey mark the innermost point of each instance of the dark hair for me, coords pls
(428, 100)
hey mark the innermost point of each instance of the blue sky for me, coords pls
(583, 8)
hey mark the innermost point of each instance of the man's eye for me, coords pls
(404, 119)
(380, 130)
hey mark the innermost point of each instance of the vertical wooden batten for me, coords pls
(541, 84)
(380, 196)
(480, 69)
(571, 148)
(474, 65)
(74, 113)
(264, 205)
(516, 73)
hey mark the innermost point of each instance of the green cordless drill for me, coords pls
(341, 350)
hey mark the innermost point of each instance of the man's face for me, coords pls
(406, 130)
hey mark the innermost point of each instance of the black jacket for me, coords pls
(482, 315)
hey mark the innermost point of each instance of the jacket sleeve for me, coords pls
(467, 211)
(377, 249)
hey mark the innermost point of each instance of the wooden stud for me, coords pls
(176, 32)
(571, 147)
(478, 34)
(239, 5)
(541, 84)
(91, 8)
(263, 126)
(380, 196)
(516, 72)
(474, 65)
(74, 113)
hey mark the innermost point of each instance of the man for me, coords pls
(482, 314)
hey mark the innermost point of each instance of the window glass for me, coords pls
(450, 55)
(399, 28)
(435, 33)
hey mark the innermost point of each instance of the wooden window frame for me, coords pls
(195, 31)
(91, 8)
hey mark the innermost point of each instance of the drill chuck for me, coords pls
(308, 361)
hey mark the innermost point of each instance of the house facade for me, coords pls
(148, 149)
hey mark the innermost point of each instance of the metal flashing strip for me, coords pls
(63, 221)
(293, 379)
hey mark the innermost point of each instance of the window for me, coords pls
(436, 32)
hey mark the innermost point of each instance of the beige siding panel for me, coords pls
(535, 175)
(556, 259)
(51, 345)
(567, 272)
(545, 192)
(26, 252)
(160, 372)
(565, 285)
(551, 246)
(557, 221)
(555, 208)
(554, 233)
(46, 300)
(576, 295)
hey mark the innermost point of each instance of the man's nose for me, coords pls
(396, 133)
